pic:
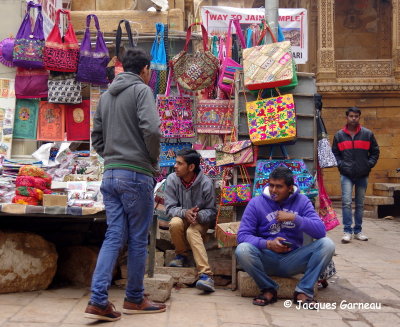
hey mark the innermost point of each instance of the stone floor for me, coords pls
(368, 273)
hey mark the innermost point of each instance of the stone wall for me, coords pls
(381, 114)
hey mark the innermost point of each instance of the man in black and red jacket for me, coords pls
(356, 152)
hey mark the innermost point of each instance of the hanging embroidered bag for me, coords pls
(28, 45)
(176, 114)
(230, 66)
(198, 70)
(268, 65)
(214, 116)
(31, 83)
(169, 150)
(272, 120)
(158, 63)
(93, 62)
(61, 53)
(238, 194)
(326, 212)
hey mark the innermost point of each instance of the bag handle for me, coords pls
(264, 32)
(64, 12)
(96, 22)
(118, 36)
(283, 150)
(189, 34)
(244, 174)
(168, 87)
(239, 33)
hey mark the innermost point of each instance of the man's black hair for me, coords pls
(191, 157)
(284, 173)
(135, 59)
(353, 109)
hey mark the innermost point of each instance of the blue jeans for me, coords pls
(311, 260)
(129, 202)
(360, 185)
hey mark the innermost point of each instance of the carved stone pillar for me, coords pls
(396, 38)
(326, 42)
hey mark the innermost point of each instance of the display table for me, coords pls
(22, 209)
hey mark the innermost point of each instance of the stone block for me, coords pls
(180, 275)
(379, 200)
(159, 262)
(109, 19)
(76, 264)
(28, 262)
(387, 186)
(159, 287)
(248, 287)
(382, 192)
(370, 214)
(169, 255)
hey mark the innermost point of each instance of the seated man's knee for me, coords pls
(327, 245)
(175, 223)
(243, 250)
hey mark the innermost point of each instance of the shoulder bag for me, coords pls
(93, 62)
(28, 45)
(61, 53)
(197, 70)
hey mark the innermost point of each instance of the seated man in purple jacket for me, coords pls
(277, 217)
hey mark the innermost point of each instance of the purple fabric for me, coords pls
(28, 45)
(93, 62)
(31, 83)
(259, 222)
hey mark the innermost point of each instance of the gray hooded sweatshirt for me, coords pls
(126, 126)
(201, 194)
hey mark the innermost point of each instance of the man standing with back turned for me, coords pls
(126, 134)
(356, 152)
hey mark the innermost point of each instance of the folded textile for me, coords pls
(29, 191)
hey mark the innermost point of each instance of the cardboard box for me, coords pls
(226, 234)
(51, 200)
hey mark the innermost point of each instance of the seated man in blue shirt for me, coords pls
(277, 217)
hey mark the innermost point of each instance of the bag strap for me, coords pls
(189, 34)
(264, 32)
(283, 150)
(96, 21)
(118, 36)
(229, 37)
(244, 174)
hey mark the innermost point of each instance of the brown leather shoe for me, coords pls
(146, 306)
(107, 313)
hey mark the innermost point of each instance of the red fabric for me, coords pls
(78, 121)
(31, 181)
(365, 145)
(358, 144)
(29, 191)
(25, 200)
(187, 185)
(346, 130)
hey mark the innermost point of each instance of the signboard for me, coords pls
(293, 22)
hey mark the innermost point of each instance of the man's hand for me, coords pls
(282, 216)
(191, 215)
(276, 246)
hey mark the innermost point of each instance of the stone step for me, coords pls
(387, 186)
(180, 275)
(370, 214)
(393, 174)
(248, 287)
(383, 192)
(379, 200)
